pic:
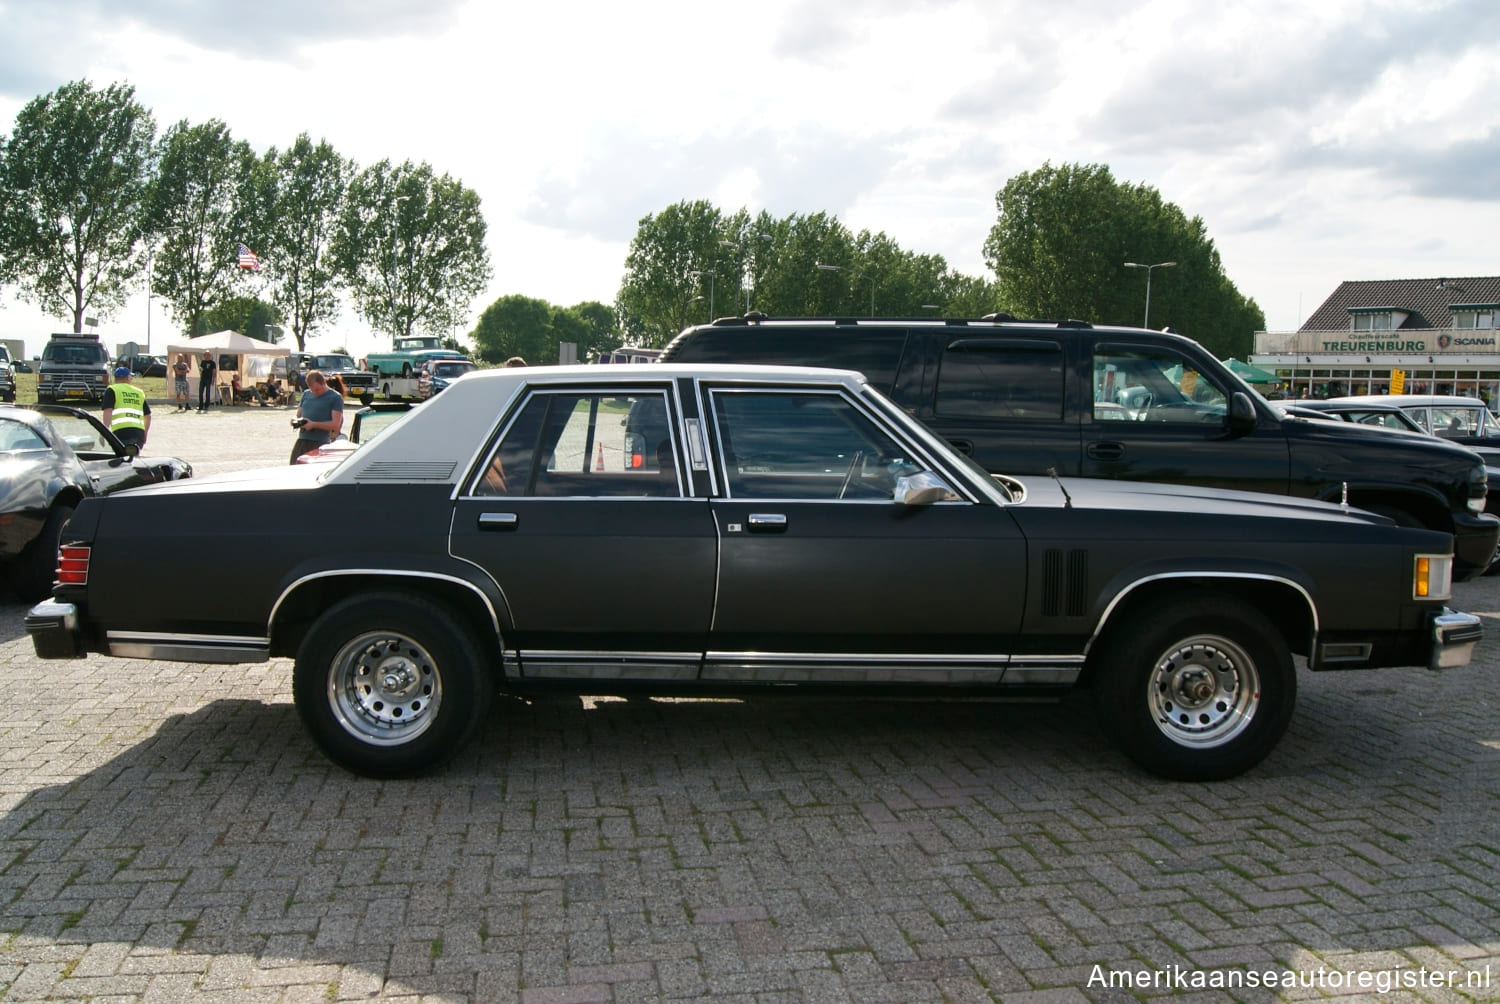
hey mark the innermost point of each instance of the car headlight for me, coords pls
(1432, 577)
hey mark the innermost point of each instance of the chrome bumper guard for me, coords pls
(54, 630)
(1454, 636)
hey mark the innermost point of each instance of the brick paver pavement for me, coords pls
(168, 832)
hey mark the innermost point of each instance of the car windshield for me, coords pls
(19, 436)
(451, 369)
(332, 363)
(74, 355)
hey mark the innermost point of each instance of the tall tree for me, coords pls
(410, 246)
(676, 257)
(245, 314)
(72, 182)
(1063, 237)
(306, 193)
(207, 199)
(516, 325)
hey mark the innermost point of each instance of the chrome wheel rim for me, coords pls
(384, 688)
(1203, 691)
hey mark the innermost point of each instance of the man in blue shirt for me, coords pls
(320, 415)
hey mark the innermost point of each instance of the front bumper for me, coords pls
(1475, 536)
(1454, 636)
(55, 630)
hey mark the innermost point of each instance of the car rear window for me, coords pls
(1001, 378)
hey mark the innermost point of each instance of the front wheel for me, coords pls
(390, 684)
(1197, 689)
(36, 568)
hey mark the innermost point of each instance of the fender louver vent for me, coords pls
(1065, 582)
(408, 470)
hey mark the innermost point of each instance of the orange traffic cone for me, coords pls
(599, 463)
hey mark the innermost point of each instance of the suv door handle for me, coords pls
(1106, 451)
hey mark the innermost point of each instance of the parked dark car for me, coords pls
(437, 374)
(1385, 416)
(54, 458)
(1027, 397)
(790, 531)
(144, 365)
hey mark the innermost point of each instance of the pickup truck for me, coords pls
(408, 355)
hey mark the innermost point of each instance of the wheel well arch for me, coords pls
(305, 600)
(1282, 601)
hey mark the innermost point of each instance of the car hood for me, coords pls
(1138, 496)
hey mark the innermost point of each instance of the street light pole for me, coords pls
(1146, 321)
(150, 261)
(854, 275)
(740, 247)
(698, 274)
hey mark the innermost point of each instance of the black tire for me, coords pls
(431, 701)
(1230, 654)
(36, 568)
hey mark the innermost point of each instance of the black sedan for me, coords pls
(697, 529)
(53, 458)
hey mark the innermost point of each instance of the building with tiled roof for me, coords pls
(1420, 336)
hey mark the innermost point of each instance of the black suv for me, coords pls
(1074, 399)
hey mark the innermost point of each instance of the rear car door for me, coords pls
(606, 564)
(1001, 401)
(822, 577)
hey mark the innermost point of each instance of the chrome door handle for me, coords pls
(766, 522)
(498, 521)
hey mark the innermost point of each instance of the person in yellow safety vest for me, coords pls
(125, 410)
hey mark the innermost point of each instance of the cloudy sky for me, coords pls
(1341, 139)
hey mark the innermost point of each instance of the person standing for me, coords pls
(207, 377)
(125, 410)
(180, 382)
(320, 415)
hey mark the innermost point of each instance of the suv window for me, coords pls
(804, 445)
(74, 355)
(1153, 385)
(572, 444)
(1001, 378)
(876, 354)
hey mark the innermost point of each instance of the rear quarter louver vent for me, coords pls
(408, 470)
(1065, 582)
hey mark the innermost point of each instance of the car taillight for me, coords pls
(73, 565)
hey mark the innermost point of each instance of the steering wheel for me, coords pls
(849, 474)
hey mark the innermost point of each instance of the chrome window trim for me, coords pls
(485, 455)
(1109, 609)
(709, 388)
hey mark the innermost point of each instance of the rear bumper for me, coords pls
(55, 630)
(1454, 636)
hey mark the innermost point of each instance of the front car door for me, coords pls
(822, 577)
(1157, 416)
(605, 562)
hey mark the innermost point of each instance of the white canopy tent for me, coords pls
(232, 353)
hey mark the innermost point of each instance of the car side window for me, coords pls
(809, 445)
(19, 436)
(986, 378)
(572, 444)
(1141, 384)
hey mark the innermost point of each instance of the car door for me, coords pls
(606, 565)
(823, 578)
(110, 468)
(1159, 416)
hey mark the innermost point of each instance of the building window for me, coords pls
(1473, 319)
(1375, 321)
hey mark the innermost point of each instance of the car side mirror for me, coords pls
(1242, 417)
(131, 450)
(923, 488)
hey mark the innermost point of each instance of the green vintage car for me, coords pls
(408, 355)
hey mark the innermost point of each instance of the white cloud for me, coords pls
(1319, 142)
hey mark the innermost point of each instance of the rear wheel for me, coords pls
(390, 684)
(1198, 690)
(36, 568)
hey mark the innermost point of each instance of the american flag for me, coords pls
(248, 259)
